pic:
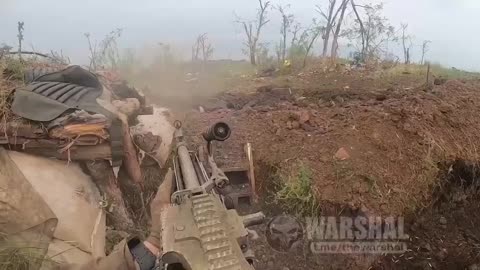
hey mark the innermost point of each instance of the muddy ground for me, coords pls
(375, 143)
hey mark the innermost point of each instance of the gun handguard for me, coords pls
(198, 231)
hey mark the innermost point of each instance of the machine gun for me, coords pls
(201, 233)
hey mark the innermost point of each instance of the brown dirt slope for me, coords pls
(393, 133)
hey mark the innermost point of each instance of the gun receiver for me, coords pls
(200, 233)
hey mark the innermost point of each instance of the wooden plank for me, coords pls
(251, 170)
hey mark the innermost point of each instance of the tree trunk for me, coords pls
(328, 28)
(253, 57)
(337, 31)
(362, 31)
(309, 48)
(326, 38)
(284, 45)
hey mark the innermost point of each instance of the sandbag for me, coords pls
(26, 221)
(157, 124)
(73, 198)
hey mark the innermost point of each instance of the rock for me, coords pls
(289, 125)
(342, 154)
(263, 108)
(339, 99)
(304, 117)
(278, 132)
(445, 108)
(443, 221)
(427, 247)
(442, 254)
(381, 97)
(307, 127)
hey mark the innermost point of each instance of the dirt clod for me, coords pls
(342, 154)
(443, 221)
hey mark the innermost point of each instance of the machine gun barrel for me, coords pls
(190, 178)
(189, 174)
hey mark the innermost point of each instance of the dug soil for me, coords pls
(382, 145)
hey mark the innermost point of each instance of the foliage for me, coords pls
(314, 32)
(295, 192)
(371, 33)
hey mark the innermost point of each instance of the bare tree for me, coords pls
(336, 34)
(294, 31)
(20, 38)
(202, 50)
(371, 32)
(254, 29)
(331, 21)
(4, 50)
(104, 54)
(314, 33)
(425, 48)
(287, 21)
(362, 29)
(406, 43)
(92, 48)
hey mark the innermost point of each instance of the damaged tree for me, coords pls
(287, 21)
(406, 43)
(361, 30)
(253, 30)
(336, 34)
(202, 50)
(425, 48)
(311, 34)
(371, 33)
(20, 38)
(104, 54)
(331, 22)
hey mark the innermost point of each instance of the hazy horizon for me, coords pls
(60, 25)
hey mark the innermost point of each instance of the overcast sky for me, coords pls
(451, 25)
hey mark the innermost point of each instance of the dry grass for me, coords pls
(24, 258)
(11, 74)
(436, 70)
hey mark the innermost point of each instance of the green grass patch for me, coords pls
(295, 193)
